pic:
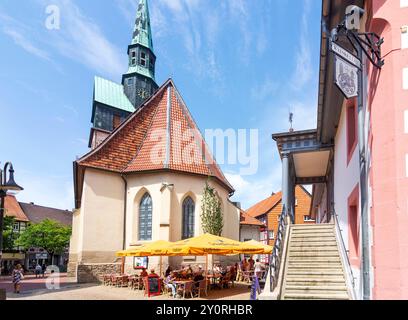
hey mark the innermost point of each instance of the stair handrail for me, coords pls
(344, 251)
(276, 256)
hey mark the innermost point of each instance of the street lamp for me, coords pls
(5, 186)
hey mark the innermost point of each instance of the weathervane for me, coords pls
(291, 121)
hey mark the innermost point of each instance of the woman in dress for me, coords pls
(17, 276)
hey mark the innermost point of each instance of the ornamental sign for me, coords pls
(345, 54)
(346, 77)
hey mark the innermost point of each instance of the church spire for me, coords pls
(139, 81)
(142, 32)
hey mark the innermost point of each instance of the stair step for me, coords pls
(315, 279)
(307, 273)
(312, 230)
(317, 225)
(311, 266)
(337, 270)
(306, 242)
(311, 283)
(316, 288)
(325, 296)
(312, 249)
(314, 259)
(313, 237)
(308, 255)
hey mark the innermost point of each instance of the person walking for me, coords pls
(17, 276)
(258, 269)
(43, 269)
(38, 270)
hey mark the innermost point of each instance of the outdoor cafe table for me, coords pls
(213, 278)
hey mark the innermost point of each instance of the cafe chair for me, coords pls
(114, 280)
(106, 279)
(202, 287)
(123, 281)
(247, 276)
(187, 288)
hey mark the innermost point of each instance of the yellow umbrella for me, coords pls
(210, 244)
(267, 249)
(156, 248)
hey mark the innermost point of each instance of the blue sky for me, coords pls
(239, 64)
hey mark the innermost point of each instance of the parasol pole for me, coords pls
(161, 264)
(206, 270)
(122, 269)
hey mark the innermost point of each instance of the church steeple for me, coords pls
(142, 32)
(139, 81)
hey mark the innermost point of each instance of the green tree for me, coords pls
(9, 236)
(50, 235)
(212, 219)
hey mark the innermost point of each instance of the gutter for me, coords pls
(124, 210)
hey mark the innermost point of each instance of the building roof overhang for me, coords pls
(330, 99)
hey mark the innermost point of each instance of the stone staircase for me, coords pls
(313, 267)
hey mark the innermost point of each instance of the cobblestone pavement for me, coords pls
(30, 282)
(99, 292)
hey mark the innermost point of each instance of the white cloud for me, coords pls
(265, 90)
(305, 116)
(82, 40)
(304, 70)
(20, 40)
(18, 33)
(253, 189)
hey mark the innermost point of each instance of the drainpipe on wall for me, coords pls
(363, 184)
(124, 212)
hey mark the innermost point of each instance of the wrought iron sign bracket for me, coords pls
(369, 42)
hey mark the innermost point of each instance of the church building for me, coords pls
(112, 102)
(144, 178)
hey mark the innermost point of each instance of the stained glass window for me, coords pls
(145, 218)
(188, 218)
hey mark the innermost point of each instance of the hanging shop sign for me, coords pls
(346, 77)
(345, 54)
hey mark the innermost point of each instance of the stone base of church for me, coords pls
(72, 270)
(92, 272)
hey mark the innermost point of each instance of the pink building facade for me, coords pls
(387, 104)
(328, 157)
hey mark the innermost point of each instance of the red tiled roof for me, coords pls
(264, 206)
(37, 214)
(246, 219)
(13, 209)
(160, 135)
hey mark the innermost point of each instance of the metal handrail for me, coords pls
(275, 258)
(349, 269)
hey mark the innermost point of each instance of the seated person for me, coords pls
(198, 276)
(152, 273)
(144, 273)
(168, 281)
(189, 271)
(168, 271)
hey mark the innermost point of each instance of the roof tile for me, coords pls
(156, 138)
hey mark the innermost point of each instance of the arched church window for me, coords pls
(188, 218)
(145, 218)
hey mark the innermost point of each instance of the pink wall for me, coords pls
(388, 177)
